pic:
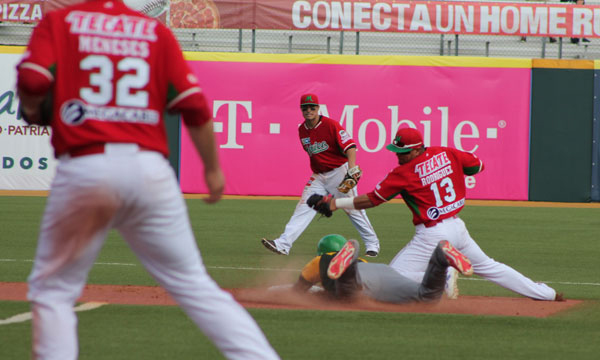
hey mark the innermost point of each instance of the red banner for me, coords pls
(560, 19)
(438, 17)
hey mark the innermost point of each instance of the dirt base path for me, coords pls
(284, 299)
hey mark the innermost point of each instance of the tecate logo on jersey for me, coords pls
(436, 162)
(120, 26)
(433, 169)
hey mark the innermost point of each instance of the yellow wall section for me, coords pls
(449, 61)
(12, 49)
(446, 61)
(565, 64)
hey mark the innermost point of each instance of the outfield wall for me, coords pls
(562, 137)
(474, 104)
(482, 105)
(26, 157)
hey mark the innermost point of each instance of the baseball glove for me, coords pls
(350, 180)
(320, 204)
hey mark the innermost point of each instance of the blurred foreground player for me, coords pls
(112, 72)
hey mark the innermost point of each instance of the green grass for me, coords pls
(555, 245)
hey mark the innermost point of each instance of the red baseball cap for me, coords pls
(309, 99)
(406, 139)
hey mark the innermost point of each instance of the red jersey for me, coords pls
(326, 144)
(432, 184)
(114, 72)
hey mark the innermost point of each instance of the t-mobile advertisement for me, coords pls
(478, 105)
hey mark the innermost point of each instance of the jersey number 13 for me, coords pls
(448, 191)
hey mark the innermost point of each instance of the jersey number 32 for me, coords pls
(128, 86)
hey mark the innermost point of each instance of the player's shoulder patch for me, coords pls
(344, 136)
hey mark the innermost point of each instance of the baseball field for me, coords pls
(123, 315)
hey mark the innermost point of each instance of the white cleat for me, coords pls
(451, 287)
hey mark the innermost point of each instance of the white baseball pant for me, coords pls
(326, 183)
(137, 193)
(412, 260)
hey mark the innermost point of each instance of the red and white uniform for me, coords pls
(433, 187)
(111, 81)
(326, 145)
(113, 72)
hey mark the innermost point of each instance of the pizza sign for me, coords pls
(194, 14)
(21, 11)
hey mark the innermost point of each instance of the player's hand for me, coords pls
(321, 204)
(350, 179)
(215, 181)
(35, 109)
(355, 172)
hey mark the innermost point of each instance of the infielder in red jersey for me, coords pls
(431, 182)
(101, 75)
(432, 186)
(332, 154)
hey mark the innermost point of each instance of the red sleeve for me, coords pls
(342, 137)
(184, 93)
(470, 163)
(375, 199)
(386, 189)
(35, 72)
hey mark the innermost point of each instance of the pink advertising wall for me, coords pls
(479, 105)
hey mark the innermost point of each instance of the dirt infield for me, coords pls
(284, 299)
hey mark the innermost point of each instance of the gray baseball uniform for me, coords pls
(377, 281)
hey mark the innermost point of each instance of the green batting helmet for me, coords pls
(330, 243)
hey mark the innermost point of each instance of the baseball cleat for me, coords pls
(451, 286)
(456, 259)
(371, 253)
(560, 297)
(270, 244)
(343, 259)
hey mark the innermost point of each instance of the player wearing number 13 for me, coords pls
(431, 182)
(112, 73)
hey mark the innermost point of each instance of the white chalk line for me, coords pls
(19, 318)
(298, 270)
